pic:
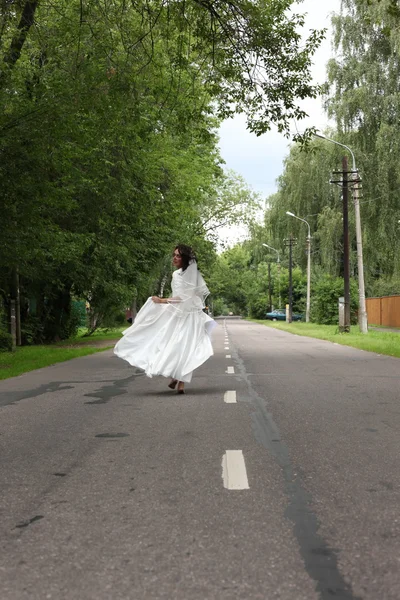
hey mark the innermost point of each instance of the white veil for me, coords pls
(189, 289)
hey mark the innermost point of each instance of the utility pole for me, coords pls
(269, 287)
(279, 271)
(308, 263)
(13, 325)
(362, 310)
(290, 242)
(16, 297)
(308, 301)
(346, 248)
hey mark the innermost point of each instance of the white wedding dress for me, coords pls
(171, 339)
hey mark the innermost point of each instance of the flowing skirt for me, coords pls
(167, 341)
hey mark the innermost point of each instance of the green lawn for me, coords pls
(98, 336)
(29, 358)
(382, 342)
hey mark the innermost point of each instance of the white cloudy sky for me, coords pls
(259, 159)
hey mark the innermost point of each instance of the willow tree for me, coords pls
(364, 100)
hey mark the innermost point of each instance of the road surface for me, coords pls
(275, 477)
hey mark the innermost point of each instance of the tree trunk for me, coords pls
(25, 23)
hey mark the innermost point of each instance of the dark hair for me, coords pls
(187, 255)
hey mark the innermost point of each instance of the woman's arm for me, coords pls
(159, 300)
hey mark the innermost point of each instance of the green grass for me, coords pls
(98, 336)
(381, 342)
(29, 358)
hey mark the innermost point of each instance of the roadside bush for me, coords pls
(5, 337)
(32, 331)
(384, 286)
(220, 308)
(70, 322)
(258, 306)
(325, 298)
(5, 341)
(114, 319)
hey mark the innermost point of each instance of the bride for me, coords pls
(171, 336)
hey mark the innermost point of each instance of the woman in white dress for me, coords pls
(171, 336)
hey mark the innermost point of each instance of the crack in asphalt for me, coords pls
(320, 560)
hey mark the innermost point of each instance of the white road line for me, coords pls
(226, 348)
(234, 473)
(228, 356)
(230, 397)
(230, 370)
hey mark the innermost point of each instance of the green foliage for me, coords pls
(32, 330)
(228, 279)
(325, 299)
(258, 306)
(362, 99)
(365, 103)
(108, 145)
(385, 286)
(5, 341)
(240, 280)
(220, 308)
(115, 319)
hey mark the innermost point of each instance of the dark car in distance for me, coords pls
(279, 314)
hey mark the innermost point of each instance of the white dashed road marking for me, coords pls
(234, 472)
(230, 397)
(228, 356)
(230, 370)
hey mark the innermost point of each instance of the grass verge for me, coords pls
(381, 342)
(29, 358)
(102, 335)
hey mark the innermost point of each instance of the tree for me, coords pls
(108, 140)
(364, 101)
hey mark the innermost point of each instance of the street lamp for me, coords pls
(362, 316)
(308, 264)
(279, 271)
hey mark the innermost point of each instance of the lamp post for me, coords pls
(279, 271)
(362, 315)
(308, 263)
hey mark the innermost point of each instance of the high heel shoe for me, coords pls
(172, 384)
(181, 389)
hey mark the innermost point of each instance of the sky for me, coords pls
(260, 159)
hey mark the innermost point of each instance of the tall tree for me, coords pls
(365, 102)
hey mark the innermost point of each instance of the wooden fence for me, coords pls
(384, 311)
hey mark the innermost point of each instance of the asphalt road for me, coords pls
(114, 487)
